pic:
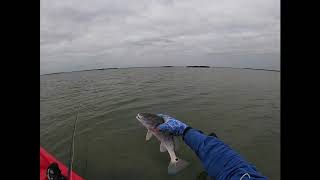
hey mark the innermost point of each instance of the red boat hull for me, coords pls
(46, 159)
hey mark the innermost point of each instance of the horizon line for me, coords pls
(192, 66)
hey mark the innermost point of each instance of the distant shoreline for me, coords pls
(198, 66)
(102, 69)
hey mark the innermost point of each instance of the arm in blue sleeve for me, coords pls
(219, 160)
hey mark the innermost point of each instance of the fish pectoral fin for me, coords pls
(149, 135)
(163, 148)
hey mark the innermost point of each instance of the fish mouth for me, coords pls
(142, 117)
(139, 117)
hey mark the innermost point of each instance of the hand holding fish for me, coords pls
(218, 159)
(167, 141)
(172, 125)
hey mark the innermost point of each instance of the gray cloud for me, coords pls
(81, 34)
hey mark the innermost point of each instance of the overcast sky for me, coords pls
(87, 34)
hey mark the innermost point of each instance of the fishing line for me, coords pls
(69, 177)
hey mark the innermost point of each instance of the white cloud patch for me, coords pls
(81, 34)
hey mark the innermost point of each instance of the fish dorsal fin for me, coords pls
(149, 135)
(163, 147)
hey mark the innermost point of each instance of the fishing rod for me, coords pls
(86, 162)
(69, 177)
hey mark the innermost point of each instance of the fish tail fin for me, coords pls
(176, 166)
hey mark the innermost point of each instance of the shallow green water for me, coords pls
(241, 106)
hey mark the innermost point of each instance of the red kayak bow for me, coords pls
(46, 159)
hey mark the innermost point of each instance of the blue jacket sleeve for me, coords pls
(219, 160)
